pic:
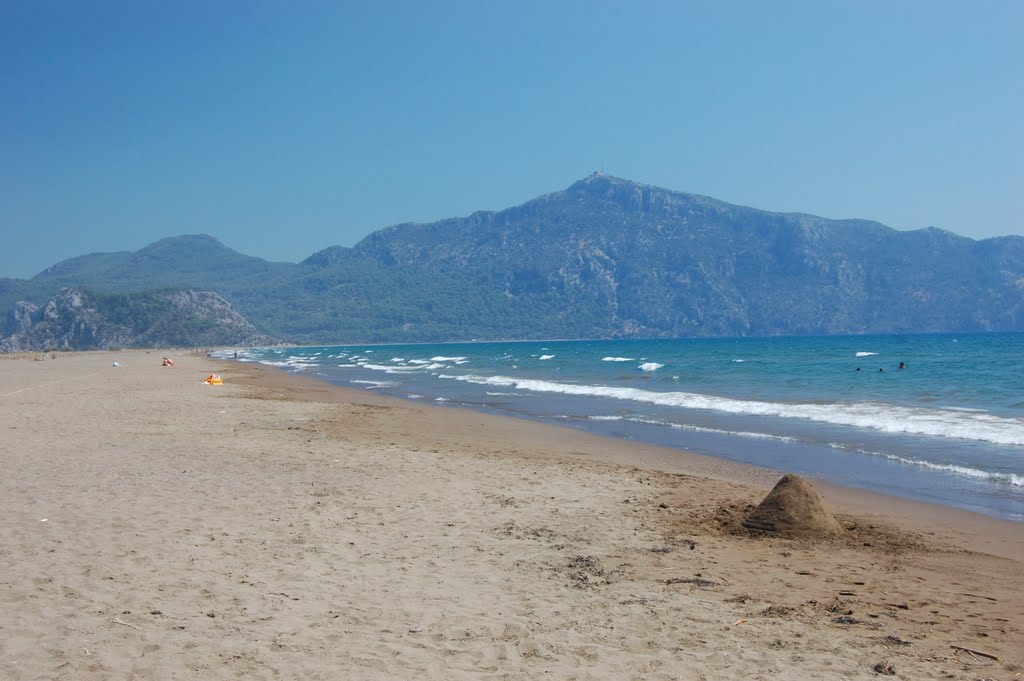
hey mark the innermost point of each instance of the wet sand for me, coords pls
(276, 527)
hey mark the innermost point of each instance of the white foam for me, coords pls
(388, 369)
(376, 384)
(736, 433)
(956, 469)
(544, 357)
(617, 359)
(441, 358)
(698, 429)
(650, 366)
(294, 363)
(886, 418)
(865, 354)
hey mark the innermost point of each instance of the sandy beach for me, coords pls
(274, 527)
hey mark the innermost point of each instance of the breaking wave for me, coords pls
(941, 423)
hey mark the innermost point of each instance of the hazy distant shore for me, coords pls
(281, 527)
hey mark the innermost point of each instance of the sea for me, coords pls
(946, 428)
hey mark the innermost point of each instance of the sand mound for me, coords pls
(793, 509)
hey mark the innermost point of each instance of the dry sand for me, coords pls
(155, 527)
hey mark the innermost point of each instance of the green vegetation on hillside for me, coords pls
(604, 258)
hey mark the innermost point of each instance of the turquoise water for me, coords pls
(948, 428)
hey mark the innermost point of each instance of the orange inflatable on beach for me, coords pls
(214, 379)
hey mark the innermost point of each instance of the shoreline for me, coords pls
(278, 526)
(971, 530)
(886, 441)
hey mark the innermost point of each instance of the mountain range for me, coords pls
(605, 257)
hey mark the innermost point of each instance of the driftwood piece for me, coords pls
(127, 624)
(974, 652)
(691, 580)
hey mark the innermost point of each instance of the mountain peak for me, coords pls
(619, 188)
(601, 181)
(635, 197)
(184, 242)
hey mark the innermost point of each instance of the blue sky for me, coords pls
(283, 128)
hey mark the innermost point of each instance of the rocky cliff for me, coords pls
(76, 319)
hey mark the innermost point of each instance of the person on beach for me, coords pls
(168, 362)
